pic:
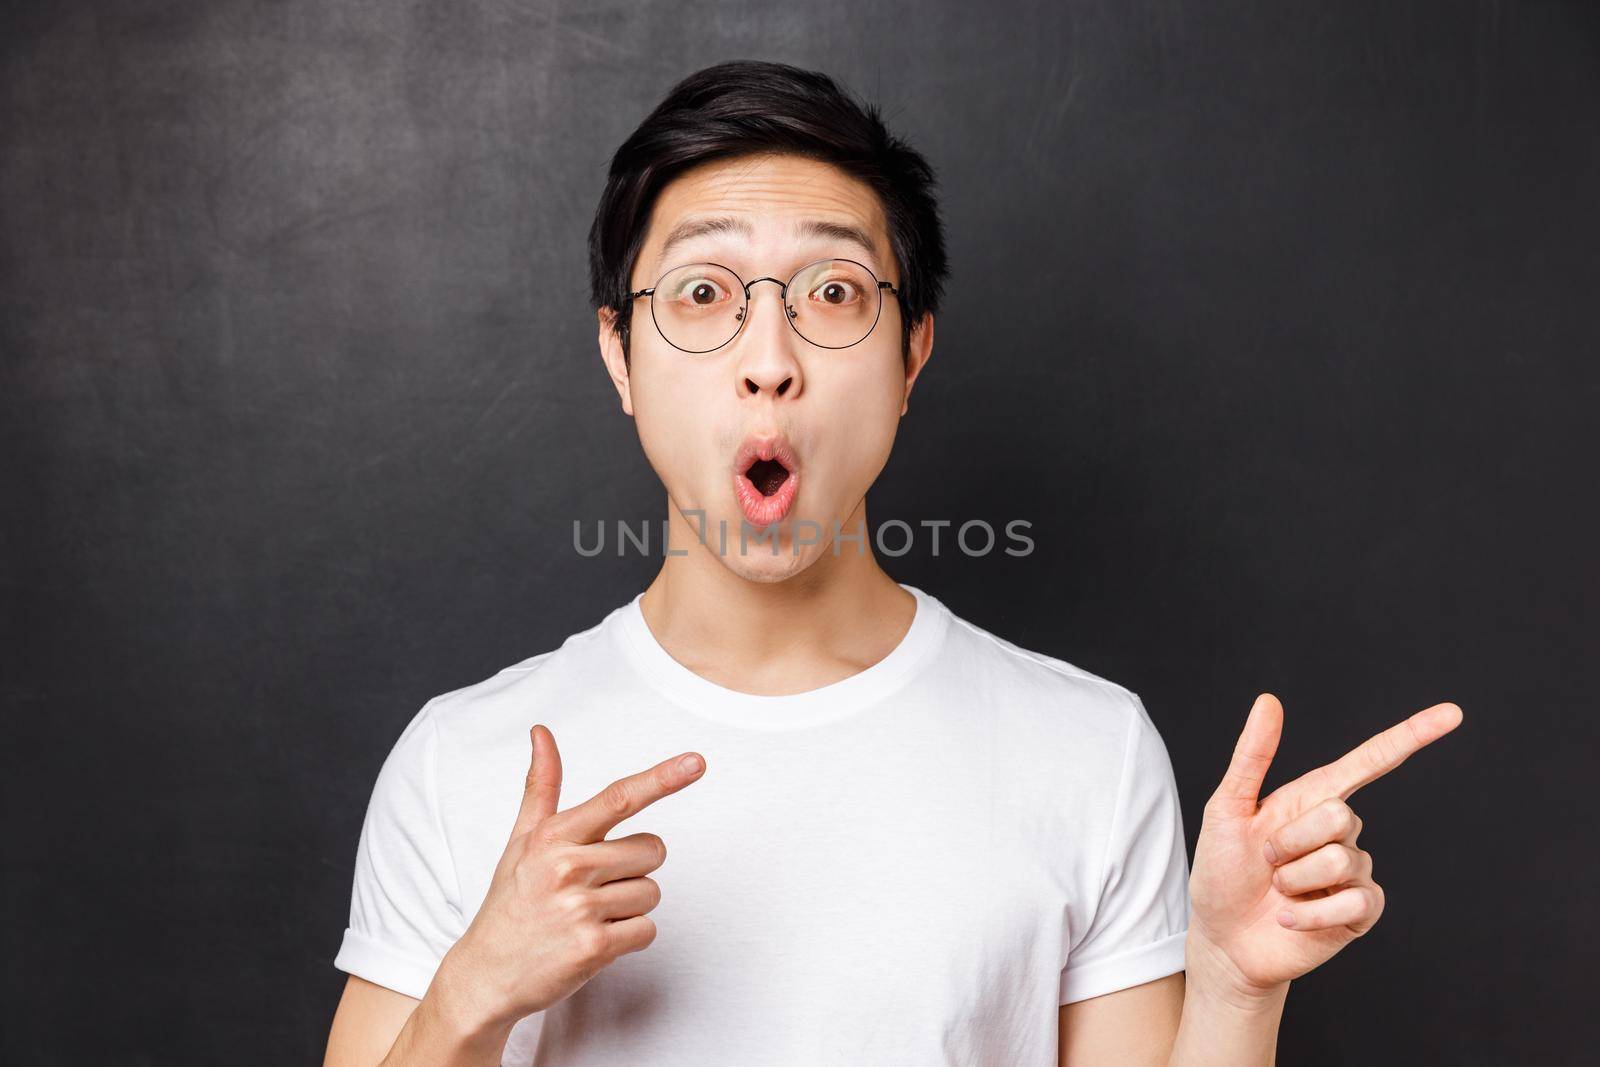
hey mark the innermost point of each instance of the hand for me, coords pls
(1280, 886)
(563, 902)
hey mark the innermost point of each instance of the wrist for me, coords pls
(465, 1006)
(1211, 975)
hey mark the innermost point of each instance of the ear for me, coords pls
(611, 355)
(917, 356)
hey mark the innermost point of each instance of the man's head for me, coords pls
(787, 170)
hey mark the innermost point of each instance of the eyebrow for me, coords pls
(689, 229)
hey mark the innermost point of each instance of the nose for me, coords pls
(767, 362)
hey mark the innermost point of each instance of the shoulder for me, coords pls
(1020, 681)
(505, 705)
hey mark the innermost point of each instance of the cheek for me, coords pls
(664, 415)
(864, 418)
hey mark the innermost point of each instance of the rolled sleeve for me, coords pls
(1141, 917)
(405, 908)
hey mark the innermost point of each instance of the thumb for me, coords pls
(542, 790)
(1252, 755)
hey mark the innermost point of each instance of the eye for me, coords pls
(699, 293)
(837, 292)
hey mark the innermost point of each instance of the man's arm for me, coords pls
(377, 1026)
(367, 1021)
(1279, 886)
(1132, 1027)
(1170, 1021)
(563, 903)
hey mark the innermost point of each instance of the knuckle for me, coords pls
(658, 846)
(1338, 815)
(615, 798)
(577, 907)
(1347, 866)
(1371, 911)
(565, 868)
(642, 931)
(592, 942)
(547, 834)
(1416, 740)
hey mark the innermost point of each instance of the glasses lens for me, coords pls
(835, 302)
(696, 307)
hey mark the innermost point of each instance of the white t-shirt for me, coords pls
(915, 865)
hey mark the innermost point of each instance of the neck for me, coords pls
(781, 633)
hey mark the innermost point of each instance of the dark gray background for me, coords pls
(1276, 320)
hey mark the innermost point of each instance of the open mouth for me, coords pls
(767, 475)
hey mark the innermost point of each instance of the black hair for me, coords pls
(749, 106)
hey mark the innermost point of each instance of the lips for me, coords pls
(766, 477)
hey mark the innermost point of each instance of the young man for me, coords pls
(897, 838)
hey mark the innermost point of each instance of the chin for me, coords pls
(758, 564)
(817, 536)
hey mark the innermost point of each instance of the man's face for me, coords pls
(832, 412)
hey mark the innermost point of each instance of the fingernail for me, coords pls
(1268, 851)
(690, 764)
(1286, 917)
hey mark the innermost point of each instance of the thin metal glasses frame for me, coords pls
(783, 294)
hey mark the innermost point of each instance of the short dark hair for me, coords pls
(747, 107)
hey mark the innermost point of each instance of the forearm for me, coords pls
(449, 1028)
(1223, 1026)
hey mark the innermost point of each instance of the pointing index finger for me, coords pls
(1382, 753)
(594, 818)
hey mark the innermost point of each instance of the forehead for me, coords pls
(762, 209)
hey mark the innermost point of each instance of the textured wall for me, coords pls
(1289, 307)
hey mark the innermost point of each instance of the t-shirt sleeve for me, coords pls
(405, 908)
(1141, 918)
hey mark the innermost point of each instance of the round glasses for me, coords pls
(832, 303)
